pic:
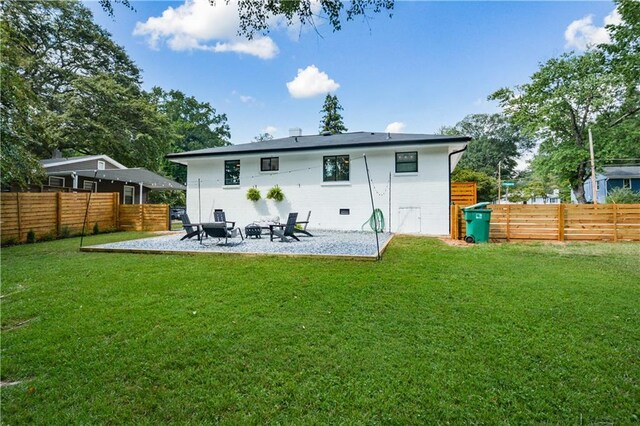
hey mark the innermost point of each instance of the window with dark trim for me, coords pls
(269, 164)
(232, 172)
(626, 183)
(335, 168)
(407, 162)
(56, 181)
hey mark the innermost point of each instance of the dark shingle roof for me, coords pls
(315, 142)
(149, 179)
(622, 172)
(48, 161)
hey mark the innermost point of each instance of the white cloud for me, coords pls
(247, 99)
(395, 127)
(583, 34)
(196, 23)
(311, 82)
(270, 129)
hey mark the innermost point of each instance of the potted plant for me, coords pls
(275, 193)
(253, 194)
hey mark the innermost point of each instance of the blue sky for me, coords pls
(429, 65)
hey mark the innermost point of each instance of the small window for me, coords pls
(345, 212)
(100, 165)
(89, 185)
(406, 162)
(335, 168)
(128, 194)
(269, 164)
(56, 181)
(626, 183)
(232, 172)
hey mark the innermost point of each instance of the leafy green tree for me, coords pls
(623, 196)
(332, 119)
(495, 139)
(262, 137)
(80, 92)
(257, 16)
(487, 186)
(565, 97)
(194, 125)
(18, 114)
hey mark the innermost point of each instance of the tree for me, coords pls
(495, 139)
(194, 125)
(79, 91)
(487, 186)
(256, 16)
(263, 137)
(565, 97)
(332, 119)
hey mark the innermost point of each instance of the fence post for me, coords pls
(116, 209)
(19, 218)
(508, 222)
(560, 222)
(615, 223)
(58, 212)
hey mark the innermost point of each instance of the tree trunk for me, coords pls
(578, 191)
(578, 185)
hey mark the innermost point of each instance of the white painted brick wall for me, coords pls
(300, 177)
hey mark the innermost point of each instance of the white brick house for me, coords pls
(326, 175)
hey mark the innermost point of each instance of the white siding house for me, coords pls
(409, 175)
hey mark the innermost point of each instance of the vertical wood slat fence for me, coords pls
(56, 214)
(557, 222)
(464, 193)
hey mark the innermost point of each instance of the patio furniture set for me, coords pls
(222, 228)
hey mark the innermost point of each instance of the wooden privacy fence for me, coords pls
(558, 222)
(144, 217)
(464, 193)
(59, 214)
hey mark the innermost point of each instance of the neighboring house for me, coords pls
(553, 198)
(101, 173)
(624, 176)
(326, 174)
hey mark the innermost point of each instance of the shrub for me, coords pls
(31, 236)
(50, 236)
(96, 228)
(623, 196)
(65, 232)
(253, 194)
(275, 193)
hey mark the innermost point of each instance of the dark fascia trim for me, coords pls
(179, 155)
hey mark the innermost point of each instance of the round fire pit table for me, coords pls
(253, 230)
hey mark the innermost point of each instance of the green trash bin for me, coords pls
(478, 220)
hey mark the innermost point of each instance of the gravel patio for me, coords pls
(358, 244)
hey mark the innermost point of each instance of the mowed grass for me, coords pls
(492, 334)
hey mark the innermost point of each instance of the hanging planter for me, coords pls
(253, 194)
(275, 193)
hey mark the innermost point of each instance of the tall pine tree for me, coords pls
(332, 119)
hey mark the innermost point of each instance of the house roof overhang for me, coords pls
(148, 179)
(322, 143)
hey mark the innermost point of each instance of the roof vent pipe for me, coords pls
(389, 135)
(295, 131)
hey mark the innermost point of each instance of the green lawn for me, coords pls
(493, 334)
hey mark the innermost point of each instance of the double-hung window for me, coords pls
(232, 172)
(335, 168)
(56, 181)
(89, 185)
(269, 164)
(128, 194)
(407, 162)
(626, 183)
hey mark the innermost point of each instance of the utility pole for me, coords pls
(594, 183)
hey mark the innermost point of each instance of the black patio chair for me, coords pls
(301, 227)
(192, 230)
(219, 216)
(219, 230)
(285, 230)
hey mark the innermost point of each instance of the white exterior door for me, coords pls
(408, 220)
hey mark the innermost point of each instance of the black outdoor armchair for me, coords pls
(219, 216)
(192, 229)
(219, 230)
(285, 230)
